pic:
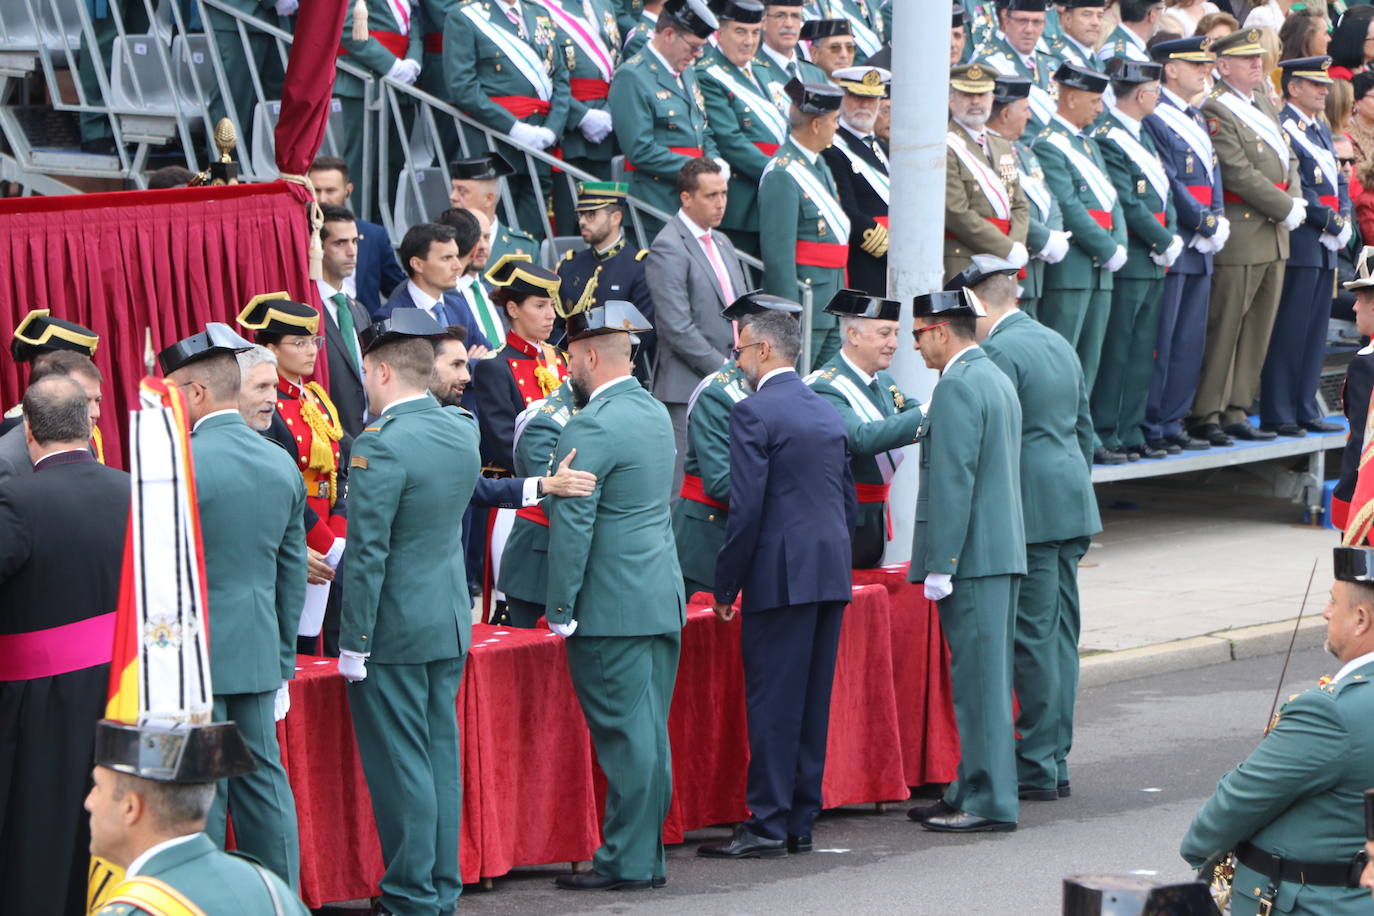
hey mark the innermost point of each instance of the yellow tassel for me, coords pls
(326, 430)
(360, 20)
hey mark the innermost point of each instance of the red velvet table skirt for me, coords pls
(529, 777)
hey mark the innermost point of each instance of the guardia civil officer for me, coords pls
(1014, 48)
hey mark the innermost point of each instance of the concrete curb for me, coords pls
(1200, 651)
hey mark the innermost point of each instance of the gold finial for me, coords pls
(226, 138)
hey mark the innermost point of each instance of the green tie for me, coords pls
(486, 318)
(350, 333)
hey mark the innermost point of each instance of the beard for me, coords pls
(863, 120)
(580, 392)
(450, 397)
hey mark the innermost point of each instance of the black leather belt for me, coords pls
(1318, 874)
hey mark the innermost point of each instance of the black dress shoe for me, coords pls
(1103, 455)
(1320, 426)
(799, 844)
(1292, 430)
(1144, 450)
(745, 844)
(921, 812)
(595, 881)
(1031, 793)
(1188, 443)
(1165, 445)
(963, 822)
(1248, 433)
(1212, 434)
(660, 880)
(1063, 788)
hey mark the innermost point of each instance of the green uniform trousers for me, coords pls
(1046, 661)
(1128, 359)
(238, 72)
(261, 802)
(95, 126)
(978, 620)
(406, 719)
(523, 614)
(1244, 302)
(625, 686)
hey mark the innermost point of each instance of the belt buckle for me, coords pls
(1266, 900)
(1357, 866)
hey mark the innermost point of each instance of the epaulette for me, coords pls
(1044, 132)
(377, 423)
(521, 233)
(1102, 131)
(568, 256)
(549, 408)
(643, 253)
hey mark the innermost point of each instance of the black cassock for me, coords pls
(61, 552)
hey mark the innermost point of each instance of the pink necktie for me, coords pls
(726, 290)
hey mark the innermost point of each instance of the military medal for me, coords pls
(820, 227)
(570, 55)
(662, 95)
(1188, 163)
(1140, 187)
(898, 399)
(696, 94)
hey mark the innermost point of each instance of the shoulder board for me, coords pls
(1353, 680)
(1103, 130)
(636, 60)
(643, 253)
(568, 256)
(520, 233)
(1044, 132)
(377, 424)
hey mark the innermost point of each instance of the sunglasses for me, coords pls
(917, 332)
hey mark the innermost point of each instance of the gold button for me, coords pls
(710, 518)
(363, 638)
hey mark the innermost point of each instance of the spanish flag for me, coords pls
(161, 665)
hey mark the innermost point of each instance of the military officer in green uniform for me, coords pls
(640, 29)
(970, 551)
(1139, 22)
(979, 18)
(477, 186)
(985, 209)
(703, 508)
(406, 626)
(615, 590)
(746, 124)
(778, 61)
(1059, 511)
(1078, 290)
(1293, 811)
(866, 25)
(803, 229)
(252, 508)
(1046, 240)
(1016, 49)
(153, 788)
(658, 109)
(1080, 29)
(589, 40)
(879, 419)
(1152, 245)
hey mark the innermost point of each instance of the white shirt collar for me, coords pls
(661, 59)
(1131, 123)
(1353, 665)
(421, 298)
(215, 413)
(1307, 121)
(778, 371)
(955, 358)
(137, 864)
(867, 379)
(1248, 96)
(1005, 315)
(1077, 131)
(810, 156)
(618, 239)
(1131, 35)
(1084, 50)
(327, 294)
(405, 400)
(976, 137)
(778, 57)
(692, 227)
(602, 387)
(1178, 101)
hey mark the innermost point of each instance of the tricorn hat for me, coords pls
(173, 751)
(518, 273)
(694, 15)
(616, 316)
(814, 98)
(480, 168)
(859, 304)
(39, 332)
(1364, 270)
(1078, 77)
(274, 313)
(218, 339)
(947, 304)
(1353, 564)
(756, 302)
(983, 266)
(816, 29)
(746, 11)
(1125, 70)
(403, 322)
(1010, 88)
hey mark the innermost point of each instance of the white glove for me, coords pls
(527, 135)
(1329, 242)
(595, 124)
(281, 702)
(1117, 260)
(1222, 234)
(1056, 246)
(564, 629)
(1168, 256)
(352, 665)
(724, 167)
(1296, 215)
(938, 586)
(287, 7)
(404, 71)
(1343, 236)
(1018, 255)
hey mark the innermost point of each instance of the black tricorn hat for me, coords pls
(947, 304)
(1010, 88)
(39, 332)
(959, 18)
(1022, 6)
(747, 11)
(174, 751)
(1124, 70)
(859, 304)
(616, 316)
(404, 322)
(982, 267)
(816, 29)
(814, 98)
(1353, 564)
(218, 339)
(695, 16)
(480, 168)
(1076, 77)
(755, 302)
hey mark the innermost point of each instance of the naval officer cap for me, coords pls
(39, 332)
(1241, 43)
(275, 313)
(1007, 89)
(218, 339)
(485, 167)
(973, 79)
(947, 304)
(858, 304)
(615, 317)
(1196, 50)
(816, 29)
(867, 81)
(983, 267)
(755, 303)
(174, 752)
(814, 98)
(746, 11)
(1079, 77)
(1353, 564)
(1135, 72)
(403, 322)
(1313, 69)
(693, 15)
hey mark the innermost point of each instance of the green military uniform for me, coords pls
(879, 421)
(773, 77)
(1247, 276)
(800, 223)
(655, 114)
(413, 472)
(1060, 515)
(503, 73)
(1044, 217)
(252, 511)
(1142, 186)
(865, 23)
(969, 526)
(1038, 67)
(627, 13)
(973, 222)
(700, 516)
(637, 33)
(1297, 796)
(217, 883)
(525, 561)
(510, 240)
(1122, 42)
(1076, 299)
(980, 21)
(747, 127)
(616, 574)
(1065, 49)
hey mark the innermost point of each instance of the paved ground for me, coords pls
(1148, 753)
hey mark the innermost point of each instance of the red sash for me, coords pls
(394, 42)
(522, 106)
(1162, 218)
(768, 149)
(822, 254)
(534, 514)
(693, 489)
(57, 650)
(882, 221)
(1102, 217)
(1230, 198)
(588, 90)
(695, 152)
(872, 492)
(1202, 193)
(1330, 201)
(434, 42)
(1003, 225)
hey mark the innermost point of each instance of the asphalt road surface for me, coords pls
(1148, 752)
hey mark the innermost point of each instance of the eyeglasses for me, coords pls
(1345, 161)
(736, 351)
(917, 332)
(306, 343)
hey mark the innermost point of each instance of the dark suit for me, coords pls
(455, 305)
(787, 547)
(378, 273)
(48, 715)
(862, 203)
(345, 375)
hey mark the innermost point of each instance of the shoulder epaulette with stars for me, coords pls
(643, 253)
(569, 255)
(1103, 130)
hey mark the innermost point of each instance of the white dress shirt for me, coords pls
(955, 358)
(424, 301)
(137, 864)
(1353, 665)
(863, 376)
(215, 413)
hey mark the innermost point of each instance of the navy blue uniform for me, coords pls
(787, 546)
(619, 274)
(864, 203)
(1195, 183)
(1293, 365)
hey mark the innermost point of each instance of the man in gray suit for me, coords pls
(693, 273)
(14, 451)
